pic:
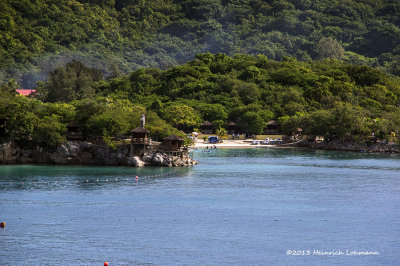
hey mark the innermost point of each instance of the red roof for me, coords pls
(26, 92)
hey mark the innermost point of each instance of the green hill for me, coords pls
(122, 35)
(326, 97)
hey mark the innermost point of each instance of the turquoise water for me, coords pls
(237, 207)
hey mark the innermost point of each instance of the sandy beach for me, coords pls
(228, 144)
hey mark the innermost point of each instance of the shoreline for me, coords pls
(355, 146)
(336, 145)
(87, 153)
(199, 144)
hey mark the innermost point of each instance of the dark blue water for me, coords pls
(237, 207)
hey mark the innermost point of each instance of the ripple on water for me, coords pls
(238, 206)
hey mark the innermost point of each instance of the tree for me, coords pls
(22, 120)
(50, 131)
(158, 127)
(316, 123)
(210, 112)
(329, 48)
(251, 122)
(221, 133)
(74, 81)
(248, 92)
(289, 124)
(118, 118)
(9, 89)
(347, 120)
(182, 116)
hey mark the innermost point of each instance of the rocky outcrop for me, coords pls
(163, 159)
(88, 153)
(349, 145)
(135, 161)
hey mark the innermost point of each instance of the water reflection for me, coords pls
(50, 177)
(268, 152)
(244, 207)
(298, 157)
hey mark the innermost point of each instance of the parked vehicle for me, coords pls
(213, 139)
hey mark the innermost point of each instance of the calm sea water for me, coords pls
(237, 207)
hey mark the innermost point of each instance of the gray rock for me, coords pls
(62, 151)
(100, 152)
(26, 160)
(135, 161)
(27, 152)
(157, 160)
(122, 152)
(86, 145)
(57, 159)
(73, 149)
(147, 158)
(86, 155)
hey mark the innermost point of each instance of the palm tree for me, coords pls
(221, 132)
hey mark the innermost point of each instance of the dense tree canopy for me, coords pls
(327, 97)
(38, 36)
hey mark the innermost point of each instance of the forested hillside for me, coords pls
(325, 97)
(122, 35)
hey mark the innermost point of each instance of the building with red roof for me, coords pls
(24, 92)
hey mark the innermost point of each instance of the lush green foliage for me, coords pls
(32, 121)
(72, 82)
(37, 36)
(327, 97)
(261, 68)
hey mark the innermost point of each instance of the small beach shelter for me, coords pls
(207, 127)
(139, 135)
(231, 128)
(139, 140)
(74, 131)
(272, 128)
(172, 143)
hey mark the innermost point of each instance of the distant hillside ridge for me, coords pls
(36, 36)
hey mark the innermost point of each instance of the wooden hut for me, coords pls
(173, 146)
(74, 131)
(272, 128)
(207, 127)
(172, 143)
(139, 141)
(231, 128)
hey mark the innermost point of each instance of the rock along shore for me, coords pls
(87, 153)
(349, 145)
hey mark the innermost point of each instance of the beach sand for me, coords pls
(228, 144)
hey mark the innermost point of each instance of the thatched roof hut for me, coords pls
(272, 128)
(74, 131)
(172, 143)
(207, 127)
(139, 134)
